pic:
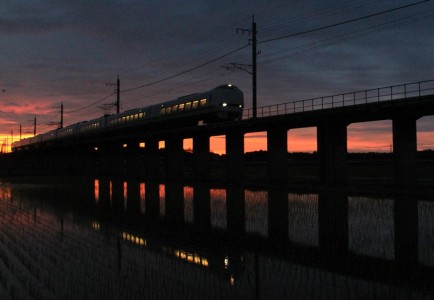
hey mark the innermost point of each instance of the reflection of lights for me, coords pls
(189, 257)
(96, 225)
(124, 146)
(226, 262)
(125, 188)
(133, 239)
(142, 198)
(232, 280)
(96, 190)
(95, 148)
(111, 192)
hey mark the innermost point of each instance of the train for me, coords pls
(223, 103)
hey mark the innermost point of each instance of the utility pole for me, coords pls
(61, 116)
(254, 54)
(118, 93)
(20, 132)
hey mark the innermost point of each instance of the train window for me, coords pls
(162, 111)
(188, 105)
(141, 115)
(181, 106)
(168, 109)
(174, 108)
(195, 103)
(202, 102)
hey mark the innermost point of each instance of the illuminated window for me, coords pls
(205, 262)
(141, 115)
(202, 102)
(162, 111)
(181, 106)
(168, 110)
(195, 104)
(174, 108)
(188, 105)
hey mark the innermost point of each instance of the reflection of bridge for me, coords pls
(403, 104)
(91, 226)
(331, 253)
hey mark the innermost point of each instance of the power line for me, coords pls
(185, 71)
(90, 105)
(350, 36)
(343, 22)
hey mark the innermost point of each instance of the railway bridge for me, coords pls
(136, 150)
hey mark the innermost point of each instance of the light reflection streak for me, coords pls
(162, 196)
(303, 219)
(371, 227)
(125, 192)
(142, 198)
(257, 212)
(218, 208)
(187, 256)
(134, 239)
(188, 204)
(111, 192)
(96, 190)
(426, 232)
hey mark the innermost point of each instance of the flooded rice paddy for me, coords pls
(98, 238)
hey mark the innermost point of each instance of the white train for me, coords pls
(223, 103)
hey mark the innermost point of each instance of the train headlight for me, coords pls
(224, 104)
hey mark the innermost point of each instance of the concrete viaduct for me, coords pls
(403, 104)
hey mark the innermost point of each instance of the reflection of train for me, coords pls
(219, 104)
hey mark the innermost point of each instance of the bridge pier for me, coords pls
(201, 163)
(152, 159)
(174, 158)
(278, 216)
(332, 152)
(277, 146)
(333, 224)
(133, 159)
(202, 206)
(406, 231)
(236, 211)
(405, 150)
(133, 197)
(152, 200)
(235, 156)
(175, 203)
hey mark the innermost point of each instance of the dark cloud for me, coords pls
(56, 51)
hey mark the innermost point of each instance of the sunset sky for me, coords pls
(55, 52)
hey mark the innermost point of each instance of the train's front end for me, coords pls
(228, 100)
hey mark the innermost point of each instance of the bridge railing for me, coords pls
(389, 93)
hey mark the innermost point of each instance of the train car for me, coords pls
(223, 103)
(48, 136)
(128, 118)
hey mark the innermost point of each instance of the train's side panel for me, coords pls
(219, 104)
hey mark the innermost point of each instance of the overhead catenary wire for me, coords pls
(309, 47)
(167, 78)
(186, 71)
(342, 23)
